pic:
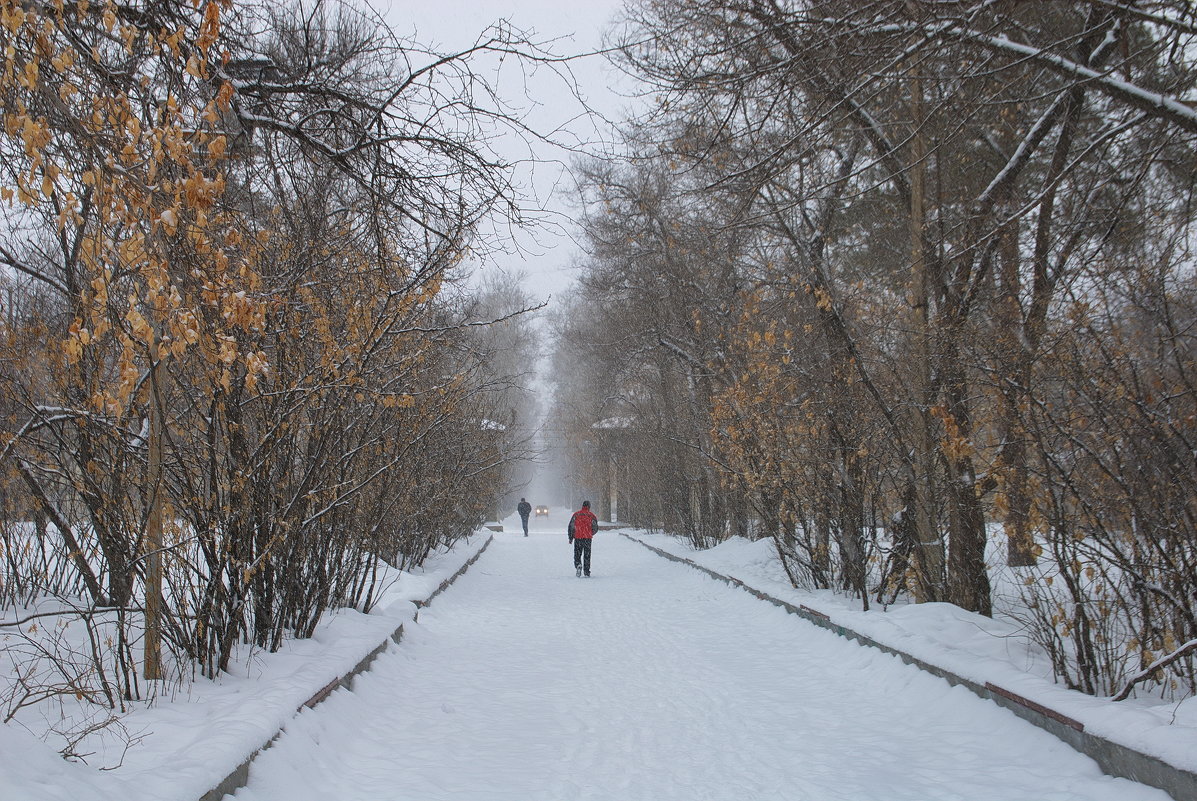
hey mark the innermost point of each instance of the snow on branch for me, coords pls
(1157, 104)
(1162, 662)
(679, 351)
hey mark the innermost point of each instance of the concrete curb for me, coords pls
(1113, 758)
(239, 777)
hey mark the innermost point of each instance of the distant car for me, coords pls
(542, 510)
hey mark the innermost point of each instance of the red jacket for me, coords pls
(584, 524)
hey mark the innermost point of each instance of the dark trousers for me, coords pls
(524, 518)
(582, 555)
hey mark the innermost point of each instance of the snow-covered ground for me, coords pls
(651, 681)
(188, 744)
(973, 646)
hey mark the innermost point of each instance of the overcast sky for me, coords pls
(577, 27)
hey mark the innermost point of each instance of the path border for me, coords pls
(239, 777)
(1113, 758)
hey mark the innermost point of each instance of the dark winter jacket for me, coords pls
(583, 524)
(524, 508)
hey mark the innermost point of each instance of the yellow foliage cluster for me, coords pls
(760, 431)
(132, 173)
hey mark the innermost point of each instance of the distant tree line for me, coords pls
(239, 364)
(876, 278)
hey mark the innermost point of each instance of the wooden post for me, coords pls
(153, 535)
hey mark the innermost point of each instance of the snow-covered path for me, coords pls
(651, 681)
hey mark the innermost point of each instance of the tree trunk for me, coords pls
(1012, 459)
(852, 526)
(968, 577)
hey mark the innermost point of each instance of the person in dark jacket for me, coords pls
(582, 525)
(524, 509)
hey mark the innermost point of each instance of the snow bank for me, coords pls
(187, 745)
(29, 769)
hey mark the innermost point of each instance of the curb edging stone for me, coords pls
(1113, 758)
(239, 777)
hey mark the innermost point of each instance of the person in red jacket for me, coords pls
(582, 525)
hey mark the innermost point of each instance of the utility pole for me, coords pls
(613, 483)
(929, 552)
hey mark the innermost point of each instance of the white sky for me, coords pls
(575, 27)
